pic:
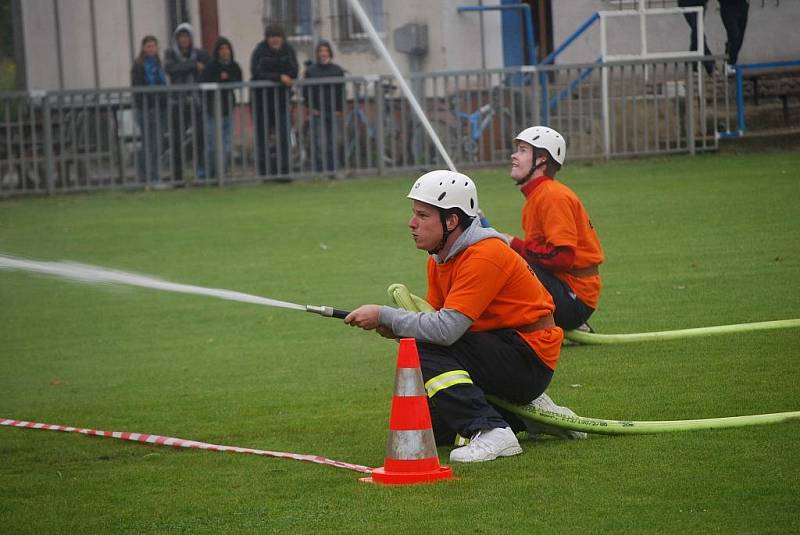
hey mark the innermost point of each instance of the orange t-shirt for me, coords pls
(553, 215)
(493, 286)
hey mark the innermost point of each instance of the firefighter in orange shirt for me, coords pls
(492, 331)
(560, 243)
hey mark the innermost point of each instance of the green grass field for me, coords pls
(690, 242)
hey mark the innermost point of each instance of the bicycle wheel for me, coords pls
(392, 143)
(356, 140)
(423, 150)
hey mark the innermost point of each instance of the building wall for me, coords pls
(40, 43)
(447, 46)
(771, 33)
(116, 46)
(453, 39)
(69, 43)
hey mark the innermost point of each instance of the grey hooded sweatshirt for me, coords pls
(181, 65)
(444, 326)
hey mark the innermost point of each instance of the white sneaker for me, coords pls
(730, 70)
(487, 446)
(544, 403)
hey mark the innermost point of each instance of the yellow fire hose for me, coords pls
(406, 300)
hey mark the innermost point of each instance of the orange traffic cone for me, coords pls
(411, 449)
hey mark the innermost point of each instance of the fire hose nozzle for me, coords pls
(328, 312)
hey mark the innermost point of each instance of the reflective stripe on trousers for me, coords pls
(446, 380)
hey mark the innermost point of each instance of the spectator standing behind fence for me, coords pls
(324, 101)
(274, 60)
(184, 64)
(691, 19)
(734, 18)
(222, 69)
(149, 109)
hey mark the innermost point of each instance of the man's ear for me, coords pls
(452, 222)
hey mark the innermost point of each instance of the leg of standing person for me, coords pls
(691, 20)
(261, 132)
(198, 128)
(570, 311)
(734, 17)
(274, 143)
(284, 140)
(207, 166)
(158, 125)
(336, 128)
(227, 147)
(316, 142)
(142, 156)
(176, 137)
(329, 119)
(147, 157)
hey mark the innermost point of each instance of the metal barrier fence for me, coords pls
(62, 141)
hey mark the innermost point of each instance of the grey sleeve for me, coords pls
(443, 327)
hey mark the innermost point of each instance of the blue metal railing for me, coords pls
(568, 41)
(566, 92)
(740, 68)
(548, 104)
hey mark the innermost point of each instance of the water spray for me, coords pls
(378, 44)
(97, 275)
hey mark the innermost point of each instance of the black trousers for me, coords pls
(691, 19)
(571, 312)
(499, 363)
(186, 117)
(271, 110)
(734, 18)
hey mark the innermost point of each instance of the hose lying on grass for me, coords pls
(608, 339)
(628, 427)
(405, 299)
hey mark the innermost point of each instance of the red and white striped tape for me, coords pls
(183, 443)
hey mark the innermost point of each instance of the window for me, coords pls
(347, 24)
(293, 15)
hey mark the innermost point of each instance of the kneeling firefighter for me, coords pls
(492, 331)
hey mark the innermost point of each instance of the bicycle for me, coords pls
(460, 132)
(360, 140)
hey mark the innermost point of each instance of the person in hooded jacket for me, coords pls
(149, 109)
(273, 60)
(324, 101)
(222, 69)
(184, 64)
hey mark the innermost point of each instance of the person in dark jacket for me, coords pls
(273, 60)
(222, 69)
(325, 103)
(149, 109)
(184, 64)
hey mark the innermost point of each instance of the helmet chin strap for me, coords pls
(445, 234)
(534, 167)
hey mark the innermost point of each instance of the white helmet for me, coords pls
(545, 138)
(446, 189)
